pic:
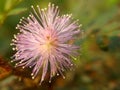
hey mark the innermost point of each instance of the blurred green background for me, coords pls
(97, 67)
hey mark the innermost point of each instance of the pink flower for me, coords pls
(43, 42)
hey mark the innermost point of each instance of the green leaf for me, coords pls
(114, 33)
(8, 5)
(102, 19)
(112, 2)
(110, 27)
(16, 11)
(2, 3)
(2, 18)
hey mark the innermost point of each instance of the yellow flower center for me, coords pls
(49, 44)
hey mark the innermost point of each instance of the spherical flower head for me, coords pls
(43, 42)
